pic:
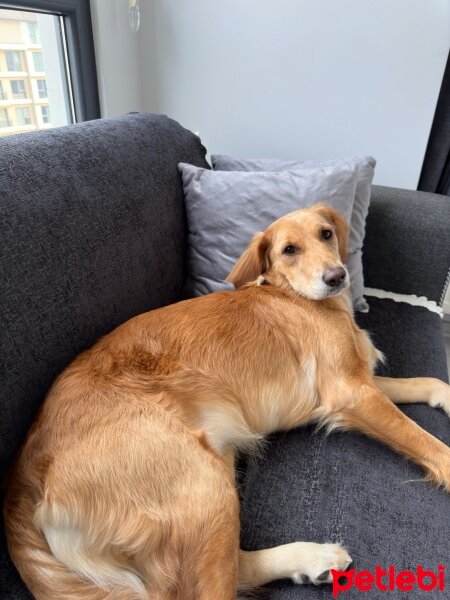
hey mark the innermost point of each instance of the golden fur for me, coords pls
(125, 486)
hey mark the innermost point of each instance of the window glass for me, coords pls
(42, 88)
(13, 60)
(45, 112)
(33, 45)
(38, 61)
(4, 118)
(18, 89)
(33, 32)
(23, 116)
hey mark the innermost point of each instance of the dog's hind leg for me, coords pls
(302, 562)
(210, 570)
(415, 390)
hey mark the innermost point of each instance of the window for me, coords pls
(23, 116)
(45, 111)
(60, 60)
(33, 32)
(18, 89)
(5, 121)
(42, 88)
(38, 61)
(13, 60)
(3, 95)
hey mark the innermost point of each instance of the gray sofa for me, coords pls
(93, 232)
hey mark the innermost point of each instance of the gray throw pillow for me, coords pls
(366, 168)
(225, 209)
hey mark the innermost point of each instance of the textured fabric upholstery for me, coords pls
(346, 487)
(92, 230)
(407, 244)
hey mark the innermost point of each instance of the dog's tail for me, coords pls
(72, 575)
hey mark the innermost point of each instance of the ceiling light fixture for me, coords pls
(135, 14)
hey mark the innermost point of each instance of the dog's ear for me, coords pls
(339, 225)
(252, 263)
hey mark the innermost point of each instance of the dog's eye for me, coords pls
(326, 234)
(289, 250)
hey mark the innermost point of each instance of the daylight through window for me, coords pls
(34, 89)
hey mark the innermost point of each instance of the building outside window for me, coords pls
(43, 70)
(45, 111)
(42, 88)
(33, 32)
(38, 61)
(23, 116)
(18, 89)
(13, 60)
(21, 36)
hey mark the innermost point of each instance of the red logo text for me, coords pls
(389, 579)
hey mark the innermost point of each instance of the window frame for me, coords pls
(80, 49)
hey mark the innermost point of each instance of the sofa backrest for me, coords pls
(92, 232)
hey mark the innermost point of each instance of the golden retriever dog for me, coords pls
(125, 487)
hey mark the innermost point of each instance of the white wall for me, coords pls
(119, 67)
(300, 78)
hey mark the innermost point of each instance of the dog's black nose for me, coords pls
(334, 277)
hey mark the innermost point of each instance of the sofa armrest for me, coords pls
(407, 243)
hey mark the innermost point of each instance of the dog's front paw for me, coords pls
(315, 562)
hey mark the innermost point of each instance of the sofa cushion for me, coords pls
(225, 209)
(366, 169)
(346, 487)
(93, 233)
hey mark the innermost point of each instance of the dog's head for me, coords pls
(304, 250)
